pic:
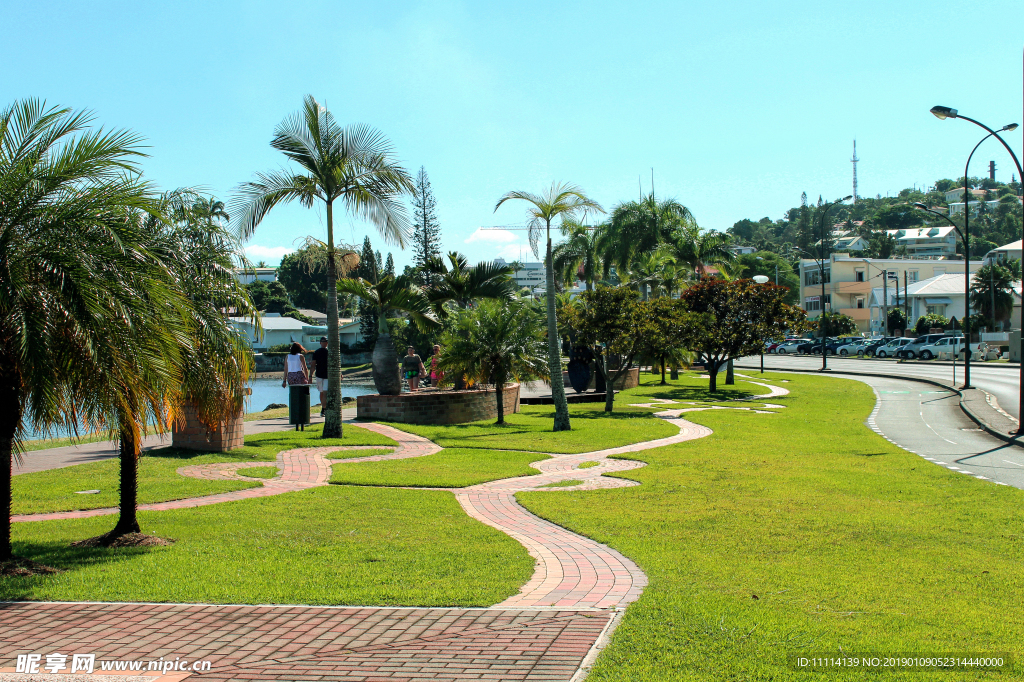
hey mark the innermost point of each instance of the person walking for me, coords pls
(436, 375)
(295, 371)
(413, 367)
(319, 370)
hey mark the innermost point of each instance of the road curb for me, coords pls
(973, 401)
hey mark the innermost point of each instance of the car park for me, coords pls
(892, 349)
(875, 344)
(789, 346)
(852, 346)
(913, 349)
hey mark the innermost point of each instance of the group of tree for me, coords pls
(112, 297)
(797, 234)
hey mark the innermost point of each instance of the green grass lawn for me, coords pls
(56, 489)
(259, 472)
(592, 429)
(562, 484)
(450, 468)
(802, 531)
(329, 545)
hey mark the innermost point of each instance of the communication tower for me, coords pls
(854, 160)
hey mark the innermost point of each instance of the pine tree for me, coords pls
(368, 269)
(389, 267)
(426, 231)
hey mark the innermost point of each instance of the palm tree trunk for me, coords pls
(609, 391)
(713, 365)
(500, 397)
(730, 379)
(663, 382)
(332, 410)
(127, 520)
(554, 357)
(10, 417)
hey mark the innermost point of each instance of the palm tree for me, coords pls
(579, 255)
(390, 293)
(639, 227)
(65, 304)
(563, 201)
(646, 271)
(697, 248)
(353, 165)
(495, 343)
(462, 284)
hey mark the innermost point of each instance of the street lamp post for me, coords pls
(761, 279)
(942, 113)
(821, 273)
(966, 321)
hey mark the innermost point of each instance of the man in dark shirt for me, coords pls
(320, 371)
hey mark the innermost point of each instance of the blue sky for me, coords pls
(738, 107)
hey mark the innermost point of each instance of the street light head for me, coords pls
(847, 197)
(1011, 127)
(942, 113)
(760, 279)
(918, 204)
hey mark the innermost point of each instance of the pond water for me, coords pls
(264, 392)
(267, 391)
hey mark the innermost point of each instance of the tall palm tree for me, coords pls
(562, 201)
(353, 165)
(455, 281)
(697, 248)
(64, 303)
(639, 227)
(579, 255)
(495, 343)
(390, 293)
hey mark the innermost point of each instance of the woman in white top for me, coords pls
(295, 371)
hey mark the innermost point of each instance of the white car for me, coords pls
(789, 347)
(854, 347)
(955, 345)
(892, 348)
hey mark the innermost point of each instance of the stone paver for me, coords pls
(309, 642)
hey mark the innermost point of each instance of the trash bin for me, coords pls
(298, 405)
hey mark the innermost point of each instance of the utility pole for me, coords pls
(906, 299)
(885, 302)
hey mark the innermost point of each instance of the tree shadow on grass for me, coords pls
(60, 555)
(693, 393)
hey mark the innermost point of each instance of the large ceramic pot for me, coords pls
(579, 375)
(386, 377)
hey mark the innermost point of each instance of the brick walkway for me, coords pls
(309, 642)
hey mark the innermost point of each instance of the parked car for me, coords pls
(770, 346)
(875, 344)
(852, 346)
(913, 349)
(789, 346)
(892, 349)
(944, 344)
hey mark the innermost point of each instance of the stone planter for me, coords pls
(436, 407)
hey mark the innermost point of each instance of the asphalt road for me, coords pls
(1001, 380)
(927, 420)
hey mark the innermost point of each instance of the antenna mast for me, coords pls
(854, 160)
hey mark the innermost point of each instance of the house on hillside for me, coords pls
(249, 275)
(927, 242)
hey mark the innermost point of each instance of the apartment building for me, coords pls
(849, 281)
(927, 242)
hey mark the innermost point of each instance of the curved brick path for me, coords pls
(300, 469)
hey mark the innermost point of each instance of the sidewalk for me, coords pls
(70, 455)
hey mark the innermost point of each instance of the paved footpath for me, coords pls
(311, 643)
(546, 632)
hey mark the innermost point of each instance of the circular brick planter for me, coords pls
(436, 407)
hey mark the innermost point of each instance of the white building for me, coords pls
(940, 295)
(743, 250)
(1011, 251)
(279, 330)
(927, 242)
(248, 275)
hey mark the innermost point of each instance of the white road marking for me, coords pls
(933, 430)
(1009, 462)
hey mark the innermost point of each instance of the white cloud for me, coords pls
(271, 254)
(492, 236)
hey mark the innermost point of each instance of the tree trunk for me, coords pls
(10, 417)
(675, 373)
(730, 378)
(386, 377)
(127, 520)
(499, 396)
(554, 358)
(663, 382)
(609, 390)
(713, 365)
(332, 410)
